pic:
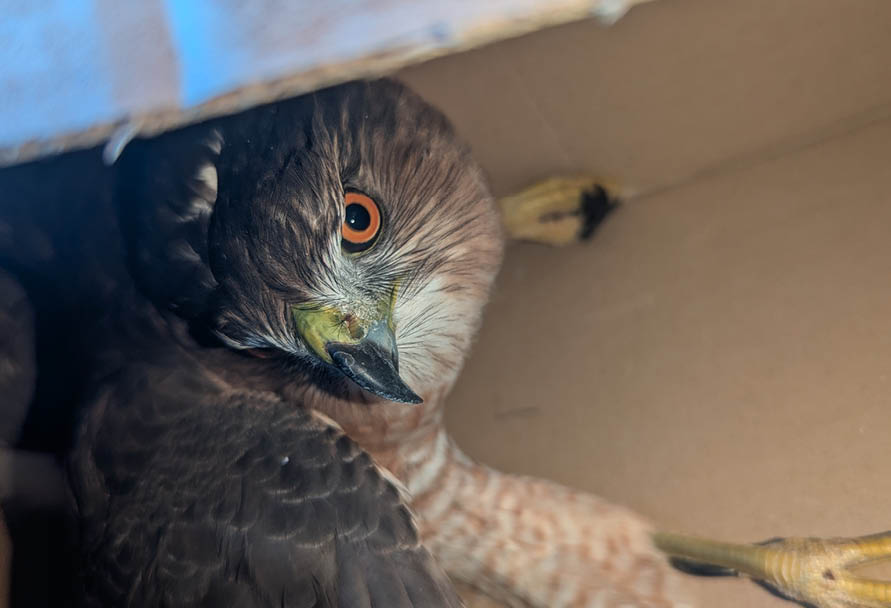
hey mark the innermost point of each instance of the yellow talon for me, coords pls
(557, 211)
(814, 571)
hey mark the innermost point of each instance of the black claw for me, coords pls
(699, 569)
(771, 541)
(595, 205)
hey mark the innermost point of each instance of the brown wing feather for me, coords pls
(17, 364)
(191, 492)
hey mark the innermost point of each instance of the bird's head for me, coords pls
(349, 229)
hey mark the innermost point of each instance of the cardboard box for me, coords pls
(723, 361)
(723, 364)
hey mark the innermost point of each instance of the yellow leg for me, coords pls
(557, 211)
(814, 571)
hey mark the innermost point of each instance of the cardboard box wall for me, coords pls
(723, 355)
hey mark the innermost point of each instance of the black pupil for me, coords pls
(357, 217)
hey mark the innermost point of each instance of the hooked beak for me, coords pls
(365, 352)
(373, 364)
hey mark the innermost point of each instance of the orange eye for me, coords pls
(361, 222)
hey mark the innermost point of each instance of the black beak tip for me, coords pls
(372, 371)
(409, 397)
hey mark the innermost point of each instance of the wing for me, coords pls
(17, 363)
(194, 495)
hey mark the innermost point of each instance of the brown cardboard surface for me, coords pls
(675, 89)
(719, 356)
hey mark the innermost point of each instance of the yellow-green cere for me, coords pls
(322, 325)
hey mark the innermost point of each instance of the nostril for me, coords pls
(357, 332)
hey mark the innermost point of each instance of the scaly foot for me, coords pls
(557, 211)
(813, 571)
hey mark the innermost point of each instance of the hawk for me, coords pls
(255, 323)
